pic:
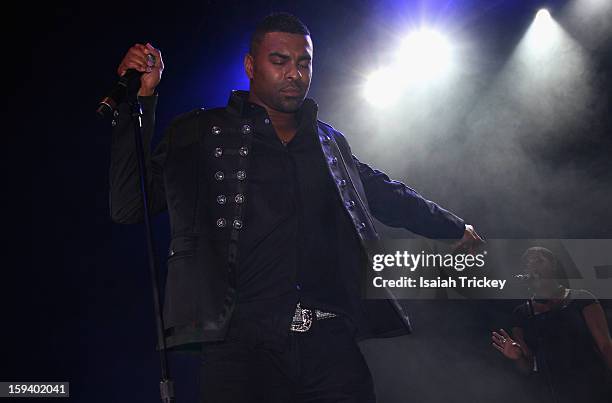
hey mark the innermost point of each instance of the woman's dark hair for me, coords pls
(540, 251)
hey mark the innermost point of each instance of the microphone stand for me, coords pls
(166, 384)
(542, 353)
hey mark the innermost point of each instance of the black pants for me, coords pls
(322, 365)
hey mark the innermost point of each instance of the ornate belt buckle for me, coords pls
(302, 319)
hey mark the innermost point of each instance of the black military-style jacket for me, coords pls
(199, 172)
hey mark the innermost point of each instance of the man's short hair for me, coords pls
(277, 22)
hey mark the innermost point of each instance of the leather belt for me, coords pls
(303, 318)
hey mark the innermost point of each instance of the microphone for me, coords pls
(128, 83)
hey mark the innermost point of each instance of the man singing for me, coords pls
(269, 212)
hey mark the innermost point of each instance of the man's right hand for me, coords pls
(136, 58)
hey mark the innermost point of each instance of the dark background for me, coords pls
(78, 303)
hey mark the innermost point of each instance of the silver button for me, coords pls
(172, 252)
(241, 175)
(342, 183)
(221, 222)
(267, 121)
(116, 113)
(221, 199)
(244, 151)
(361, 226)
(239, 198)
(114, 123)
(350, 204)
(246, 129)
(218, 152)
(333, 160)
(219, 175)
(326, 139)
(216, 130)
(237, 224)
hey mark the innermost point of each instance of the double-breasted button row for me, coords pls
(222, 199)
(222, 223)
(243, 151)
(240, 175)
(245, 129)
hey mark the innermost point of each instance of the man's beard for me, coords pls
(290, 104)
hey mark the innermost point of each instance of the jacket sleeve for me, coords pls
(397, 205)
(125, 199)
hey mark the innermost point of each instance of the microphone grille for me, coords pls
(151, 58)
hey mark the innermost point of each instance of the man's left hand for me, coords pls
(470, 242)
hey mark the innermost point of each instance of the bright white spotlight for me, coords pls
(382, 88)
(543, 15)
(424, 55)
(543, 30)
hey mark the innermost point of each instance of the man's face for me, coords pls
(280, 70)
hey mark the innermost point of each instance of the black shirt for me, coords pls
(565, 348)
(294, 229)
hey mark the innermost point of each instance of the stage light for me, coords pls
(382, 87)
(543, 31)
(425, 54)
(547, 77)
(543, 15)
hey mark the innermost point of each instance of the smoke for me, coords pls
(516, 143)
(525, 127)
(589, 22)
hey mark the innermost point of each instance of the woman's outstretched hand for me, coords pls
(506, 345)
